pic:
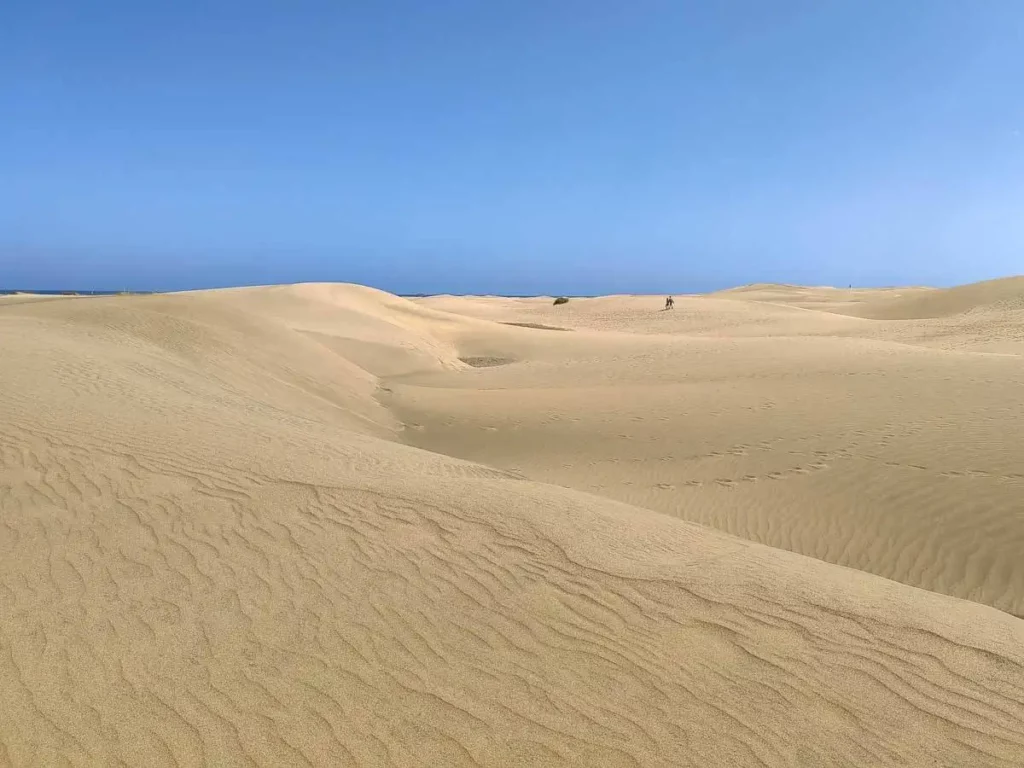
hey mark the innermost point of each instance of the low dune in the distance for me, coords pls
(324, 525)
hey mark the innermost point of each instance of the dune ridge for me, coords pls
(991, 295)
(218, 547)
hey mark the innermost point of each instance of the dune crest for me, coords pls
(217, 547)
(991, 295)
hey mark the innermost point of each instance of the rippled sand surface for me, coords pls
(323, 525)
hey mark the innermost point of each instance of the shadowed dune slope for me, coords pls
(213, 551)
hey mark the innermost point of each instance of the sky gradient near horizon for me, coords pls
(510, 147)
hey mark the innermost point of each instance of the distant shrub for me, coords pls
(561, 300)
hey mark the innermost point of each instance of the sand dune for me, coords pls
(992, 295)
(890, 447)
(221, 545)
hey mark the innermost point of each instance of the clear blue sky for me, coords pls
(487, 146)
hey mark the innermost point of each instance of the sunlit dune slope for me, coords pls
(894, 447)
(215, 551)
(992, 295)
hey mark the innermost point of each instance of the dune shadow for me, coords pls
(540, 326)
(486, 362)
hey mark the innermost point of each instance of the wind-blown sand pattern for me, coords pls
(222, 543)
(776, 413)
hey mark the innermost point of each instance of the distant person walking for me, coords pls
(670, 303)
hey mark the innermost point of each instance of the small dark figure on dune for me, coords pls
(670, 303)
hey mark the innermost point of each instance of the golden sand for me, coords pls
(294, 526)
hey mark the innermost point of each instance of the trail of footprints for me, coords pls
(819, 461)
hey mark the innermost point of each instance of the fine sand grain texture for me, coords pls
(222, 543)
